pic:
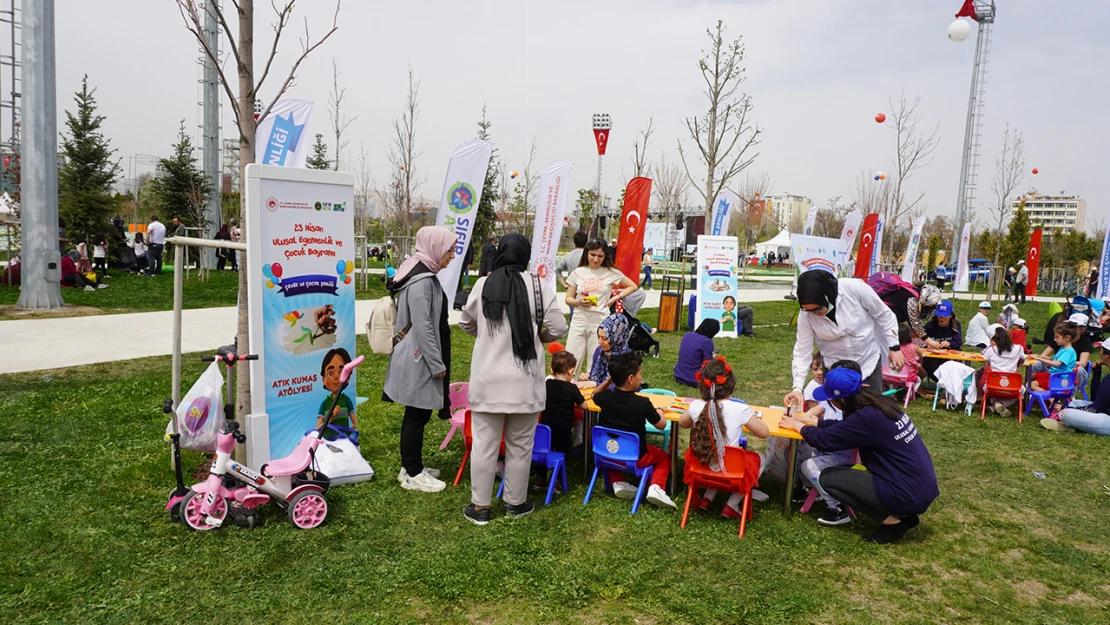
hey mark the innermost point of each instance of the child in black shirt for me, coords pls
(623, 409)
(563, 397)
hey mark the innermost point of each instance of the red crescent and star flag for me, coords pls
(866, 246)
(630, 241)
(1033, 263)
(601, 136)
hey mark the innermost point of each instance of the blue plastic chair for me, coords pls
(1083, 389)
(1060, 386)
(620, 451)
(542, 454)
(651, 429)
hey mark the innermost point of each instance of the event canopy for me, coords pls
(779, 245)
(7, 211)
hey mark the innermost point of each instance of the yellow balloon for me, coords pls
(269, 284)
(349, 267)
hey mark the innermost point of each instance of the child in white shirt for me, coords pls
(818, 461)
(716, 382)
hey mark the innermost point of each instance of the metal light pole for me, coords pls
(602, 125)
(983, 12)
(210, 134)
(41, 258)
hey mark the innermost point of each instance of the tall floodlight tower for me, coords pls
(982, 12)
(210, 129)
(602, 125)
(42, 260)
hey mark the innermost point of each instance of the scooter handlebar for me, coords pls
(229, 358)
(349, 368)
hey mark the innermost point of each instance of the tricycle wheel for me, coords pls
(308, 510)
(194, 518)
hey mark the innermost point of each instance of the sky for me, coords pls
(817, 73)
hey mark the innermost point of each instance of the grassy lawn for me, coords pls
(84, 475)
(128, 293)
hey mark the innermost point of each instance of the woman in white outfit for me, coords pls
(588, 291)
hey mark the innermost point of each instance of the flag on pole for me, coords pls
(811, 221)
(1104, 267)
(911, 252)
(866, 246)
(280, 138)
(961, 267)
(721, 206)
(851, 229)
(1033, 262)
(458, 208)
(630, 241)
(554, 183)
(877, 252)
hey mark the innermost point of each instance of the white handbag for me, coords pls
(342, 461)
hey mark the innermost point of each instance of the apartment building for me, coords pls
(1053, 211)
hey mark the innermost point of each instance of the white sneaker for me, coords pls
(657, 497)
(624, 490)
(759, 495)
(102, 286)
(423, 482)
(89, 288)
(404, 474)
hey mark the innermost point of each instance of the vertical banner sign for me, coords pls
(911, 252)
(1104, 267)
(554, 183)
(961, 267)
(458, 208)
(1033, 262)
(280, 139)
(866, 246)
(822, 253)
(302, 302)
(811, 221)
(877, 253)
(721, 206)
(851, 229)
(717, 273)
(630, 241)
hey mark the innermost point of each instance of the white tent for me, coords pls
(7, 211)
(779, 245)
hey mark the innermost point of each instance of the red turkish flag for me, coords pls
(968, 10)
(630, 241)
(1033, 262)
(866, 246)
(602, 137)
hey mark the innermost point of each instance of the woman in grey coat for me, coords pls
(507, 388)
(420, 365)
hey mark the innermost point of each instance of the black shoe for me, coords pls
(800, 495)
(890, 533)
(475, 516)
(750, 335)
(524, 509)
(834, 516)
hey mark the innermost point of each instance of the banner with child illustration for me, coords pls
(302, 298)
(717, 274)
(822, 253)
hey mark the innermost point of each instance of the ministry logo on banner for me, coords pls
(278, 138)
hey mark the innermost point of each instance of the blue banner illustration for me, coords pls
(306, 285)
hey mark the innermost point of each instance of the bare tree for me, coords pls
(504, 193)
(1009, 171)
(831, 218)
(640, 166)
(750, 214)
(670, 185)
(531, 181)
(242, 108)
(913, 150)
(339, 121)
(403, 154)
(364, 191)
(724, 135)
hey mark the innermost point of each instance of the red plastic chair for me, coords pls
(468, 441)
(734, 479)
(1003, 385)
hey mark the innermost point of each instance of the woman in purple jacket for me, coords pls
(695, 349)
(899, 482)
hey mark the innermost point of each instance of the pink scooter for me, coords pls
(207, 504)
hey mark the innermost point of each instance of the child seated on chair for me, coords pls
(623, 409)
(563, 396)
(818, 461)
(1001, 355)
(911, 354)
(716, 417)
(1063, 360)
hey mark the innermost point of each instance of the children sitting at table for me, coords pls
(1019, 334)
(943, 332)
(623, 409)
(612, 339)
(563, 396)
(718, 420)
(1062, 360)
(1001, 355)
(911, 355)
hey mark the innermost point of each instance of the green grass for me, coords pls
(84, 475)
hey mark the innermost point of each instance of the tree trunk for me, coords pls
(247, 126)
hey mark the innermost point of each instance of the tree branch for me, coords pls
(191, 17)
(306, 48)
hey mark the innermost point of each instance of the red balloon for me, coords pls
(1035, 171)
(880, 118)
(276, 270)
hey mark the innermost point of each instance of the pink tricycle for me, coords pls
(284, 481)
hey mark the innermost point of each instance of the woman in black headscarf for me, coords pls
(507, 390)
(847, 321)
(696, 348)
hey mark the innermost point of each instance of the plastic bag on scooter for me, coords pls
(200, 413)
(341, 460)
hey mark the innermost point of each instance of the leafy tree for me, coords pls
(587, 200)
(985, 245)
(183, 189)
(319, 157)
(1015, 246)
(86, 172)
(933, 250)
(486, 221)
